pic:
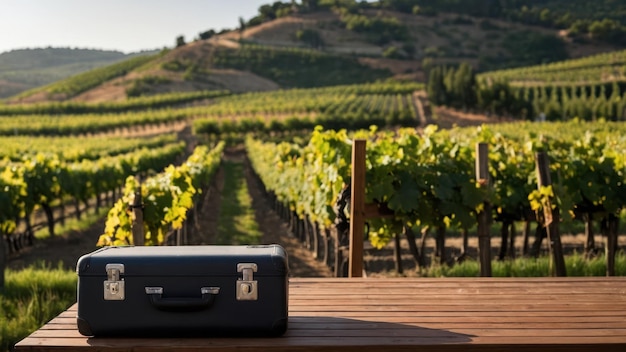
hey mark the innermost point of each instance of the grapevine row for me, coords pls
(592, 69)
(138, 103)
(77, 148)
(428, 179)
(44, 180)
(64, 125)
(324, 106)
(166, 197)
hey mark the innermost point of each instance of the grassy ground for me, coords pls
(576, 265)
(236, 223)
(73, 224)
(30, 298)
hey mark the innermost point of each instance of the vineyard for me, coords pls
(424, 178)
(589, 89)
(601, 68)
(216, 166)
(427, 180)
(366, 138)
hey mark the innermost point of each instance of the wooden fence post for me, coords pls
(3, 259)
(612, 231)
(357, 209)
(137, 226)
(551, 215)
(484, 222)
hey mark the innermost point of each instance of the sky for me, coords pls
(121, 25)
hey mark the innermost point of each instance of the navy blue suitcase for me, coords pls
(183, 290)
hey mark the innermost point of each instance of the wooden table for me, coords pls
(453, 314)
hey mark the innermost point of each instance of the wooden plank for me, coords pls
(551, 314)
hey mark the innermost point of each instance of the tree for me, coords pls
(579, 27)
(436, 88)
(180, 41)
(465, 86)
(242, 27)
(267, 12)
(607, 30)
(545, 16)
(311, 37)
(206, 35)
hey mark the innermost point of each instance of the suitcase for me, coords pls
(183, 290)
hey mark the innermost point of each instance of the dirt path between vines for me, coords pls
(275, 231)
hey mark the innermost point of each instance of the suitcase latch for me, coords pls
(114, 285)
(247, 287)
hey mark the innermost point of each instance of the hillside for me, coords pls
(299, 46)
(485, 42)
(24, 69)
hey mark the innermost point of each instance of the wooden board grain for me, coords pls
(478, 314)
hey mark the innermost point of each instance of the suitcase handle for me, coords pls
(182, 303)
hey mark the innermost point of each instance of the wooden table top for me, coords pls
(443, 314)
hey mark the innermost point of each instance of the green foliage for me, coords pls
(206, 34)
(589, 70)
(87, 80)
(174, 65)
(236, 221)
(138, 103)
(166, 198)
(310, 37)
(608, 30)
(576, 265)
(454, 87)
(297, 67)
(32, 297)
(351, 107)
(428, 179)
(531, 48)
(393, 52)
(180, 41)
(605, 16)
(144, 85)
(63, 125)
(379, 30)
(43, 178)
(270, 12)
(588, 88)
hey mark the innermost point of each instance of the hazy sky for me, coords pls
(123, 25)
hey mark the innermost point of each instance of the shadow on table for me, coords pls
(353, 329)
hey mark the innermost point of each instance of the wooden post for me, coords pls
(3, 259)
(357, 208)
(484, 222)
(551, 215)
(612, 224)
(137, 226)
